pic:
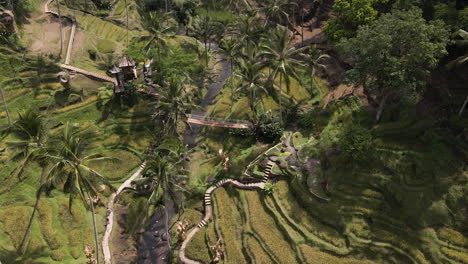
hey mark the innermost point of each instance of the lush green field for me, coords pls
(362, 223)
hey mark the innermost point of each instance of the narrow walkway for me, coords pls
(214, 122)
(73, 29)
(110, 214)
(70, 48)
(89, 73)
(209, 209)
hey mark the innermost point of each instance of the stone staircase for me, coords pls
(267, 170)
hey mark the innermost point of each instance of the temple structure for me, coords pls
(123, 72)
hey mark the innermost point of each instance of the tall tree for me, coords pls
(281, 56)
(157, 26)
(392, 58)
(60, 26)
(204, 29)
(5, 105)
(70, 170)
(174, 104)
(461, 42)
(252, 81)
(31, 131)
(314, 60)
(229, 49)
(165, 174)
(350, 14)
(249, 31)
(277, 11)
(126, 19)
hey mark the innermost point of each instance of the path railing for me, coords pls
(218, 122)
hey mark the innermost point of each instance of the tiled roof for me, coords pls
(126, 62)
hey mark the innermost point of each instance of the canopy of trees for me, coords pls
(391, 59)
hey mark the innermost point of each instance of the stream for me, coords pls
(153, 247)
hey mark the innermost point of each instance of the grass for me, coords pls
(315, 256)
(452, 236)
(58, 236)
(230, 223)
(106, 46)
(256, 251)
(265, 226)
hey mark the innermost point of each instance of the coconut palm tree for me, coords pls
(157, 26)
(60, 26)
(204, 29)
(174, 104)
(230, 50)
(165, 175)
(252, 81)
(314, 60)
(277, 11)
(281, 56)
(249, 32)
(126, 19)
(70, 169)
(31, 131)
(5, 105)
(463, 42)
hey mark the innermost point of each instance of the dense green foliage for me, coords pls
(342, 188)
(392, 58)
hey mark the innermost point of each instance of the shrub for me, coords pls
(267, 127)
(355, 141)
(92, 54)
(269, 188)
(56, 255)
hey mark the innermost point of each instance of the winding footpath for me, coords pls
(67, 65)
(209, 208)
(110, 214)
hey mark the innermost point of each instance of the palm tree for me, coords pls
(203, 28)
(158, 28)
(280, 55)
(252, 81)
(5, 105)
(249, 32)
(229, 49)
(276, 10)
(70, 169)
(31, 130)
(61, 28)
(126, 18)
(313, 61)
(175, 103)
(165, 175)
(462, 43)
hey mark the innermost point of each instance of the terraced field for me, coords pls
(367, 220)
(58, 235)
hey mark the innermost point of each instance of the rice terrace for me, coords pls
(233, 131)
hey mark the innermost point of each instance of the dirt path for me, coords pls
(110, 214)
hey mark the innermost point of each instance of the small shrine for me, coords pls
(125, 71)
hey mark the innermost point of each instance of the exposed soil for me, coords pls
(342, 91)
(45, 37)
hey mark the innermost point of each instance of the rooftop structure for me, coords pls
(125, 71)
